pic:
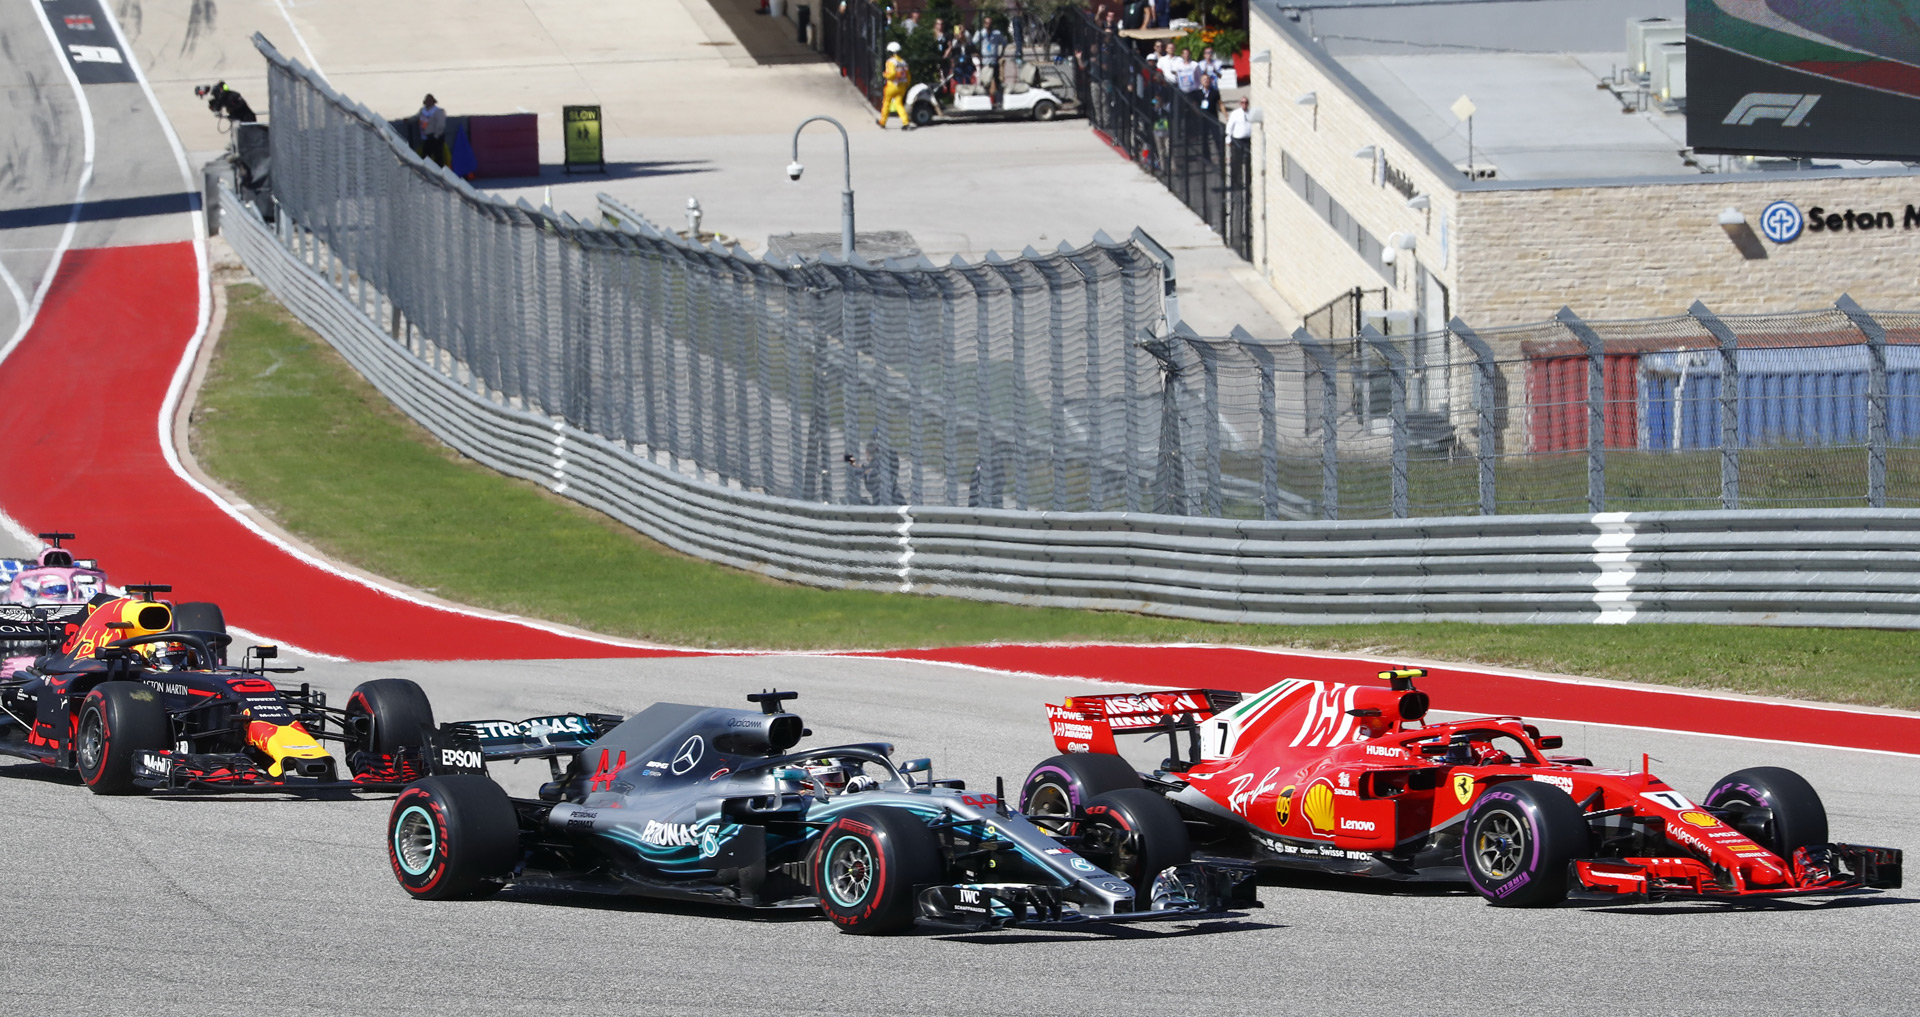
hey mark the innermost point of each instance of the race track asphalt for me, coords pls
(217, 906)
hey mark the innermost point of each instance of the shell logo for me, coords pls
(1283, 805)
(1317, 806)
(1699, 819)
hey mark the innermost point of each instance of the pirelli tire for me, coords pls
(1520, 841)
(1773, 806)
(1134, 834)
(868, 867)
(1059, 788)
(117, 720)
(202, 616)
(386, 716)
(453, 837)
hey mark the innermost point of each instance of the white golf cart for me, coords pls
(1037, 92)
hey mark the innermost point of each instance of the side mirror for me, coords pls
(1550, 741)
(917, 766)
(266, 652)
(1434, 749)
(789, 773)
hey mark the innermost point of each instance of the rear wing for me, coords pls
(533, 738)
(1088, 723)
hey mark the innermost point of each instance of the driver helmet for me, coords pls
(830, 777)
(893, 47)
(49, 588)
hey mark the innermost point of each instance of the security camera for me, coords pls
(794, 170)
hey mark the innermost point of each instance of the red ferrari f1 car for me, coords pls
(1351, 779)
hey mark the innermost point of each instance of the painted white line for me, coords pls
(14, 290)
(1613, 586)
(287, 16)
(32, 309)
(1543, 720)
(184, 371)
(1661, 690)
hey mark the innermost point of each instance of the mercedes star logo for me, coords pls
(690, 752)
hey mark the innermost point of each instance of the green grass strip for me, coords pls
(287, 424)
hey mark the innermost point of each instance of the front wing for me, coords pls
(1817, 869)
(1183, 892)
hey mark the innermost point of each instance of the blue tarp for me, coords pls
(1794, 397)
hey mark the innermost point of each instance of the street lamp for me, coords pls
(794, 169)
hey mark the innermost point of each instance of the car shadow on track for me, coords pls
(40, 773)
(541, 896)
(1098, 933)
(1729, 907)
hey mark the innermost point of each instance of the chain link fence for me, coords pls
(1008, 383)
(1050, 382)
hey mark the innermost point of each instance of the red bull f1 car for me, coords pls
(719, 805)
(1352, 779)
(137, 696)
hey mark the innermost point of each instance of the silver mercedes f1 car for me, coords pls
(715, 804)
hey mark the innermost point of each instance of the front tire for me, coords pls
(453, 838)
(922, 114)
(868, 866)
(1773, 806)
(117, 720)
(1134, 834)
(1045, 110)
(386, 716)
(1520, 839)
(1059, 788)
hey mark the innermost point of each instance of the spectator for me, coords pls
(941, 39)
(1240, 122)
(1017, 18)
(1112, 24)
(1210, 64)
(433, 130)
(993, 47)
(1207, 90)
(960, 56)
(1187, 75)
(912, 24)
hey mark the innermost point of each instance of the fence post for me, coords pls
(1729, 403)
(1269, 423)
(1485, 393)
(1211, 503)
(1596, 407)
(1397, 395)
(1170, 474)
(1329, 421)
(1876, 398)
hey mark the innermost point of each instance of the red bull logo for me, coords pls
(117, 619)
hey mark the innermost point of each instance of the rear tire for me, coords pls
(202, 616)
(1520, 839)
(1059, 788)
(453, 838)
(118, 719)
(387, 715)
(868, 866)
(1782, 812)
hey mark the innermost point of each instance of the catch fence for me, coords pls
(1051, 382)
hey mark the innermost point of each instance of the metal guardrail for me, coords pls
(1855, 567)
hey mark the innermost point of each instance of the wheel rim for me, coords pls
(1114, 848)
(93, 742)
(1499, 843)
(849, 871)
(1049, 808)
(414, 840)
